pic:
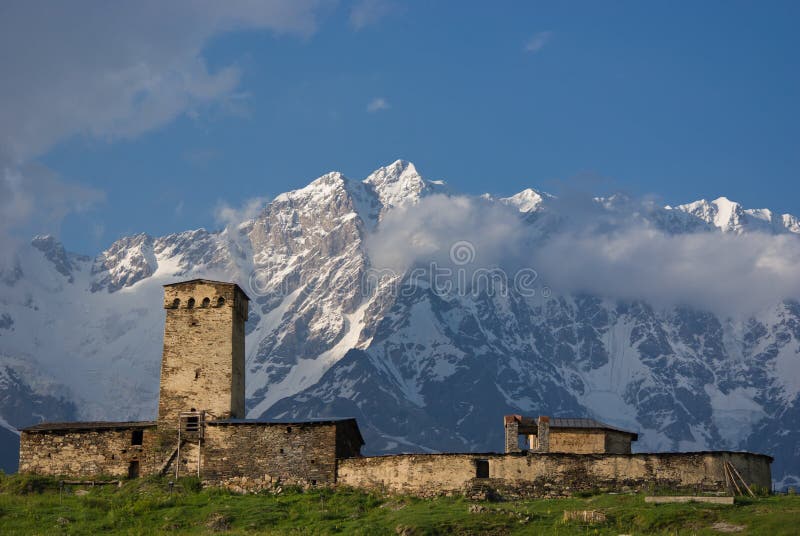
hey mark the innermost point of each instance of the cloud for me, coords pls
(111, 71)
(537, 42)
(34, 199)
(582, 246)
(365, 13)
(230, 216)
(377, 104)
(723, 273)
(117, 70)
(426, 231)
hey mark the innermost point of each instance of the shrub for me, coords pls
(27, 484)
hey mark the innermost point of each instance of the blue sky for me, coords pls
(681, 100)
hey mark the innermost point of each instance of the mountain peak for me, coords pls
(53, 251)
(525, 201)
(400, 183)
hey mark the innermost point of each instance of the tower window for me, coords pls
(176, 303)
(288, 429)
(220, 301)
(190, 303)
(136, 437)
(206, 303)
(196, 374)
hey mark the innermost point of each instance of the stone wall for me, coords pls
(203, 360)
(258, 455)
(550, 474)
(86, 453)
(577, 441)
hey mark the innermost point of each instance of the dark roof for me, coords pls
(211, 281)
(558, 422)
(278, 422)
(96, 425)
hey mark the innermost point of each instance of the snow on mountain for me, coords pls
(399, 183)
(527, 200)
(730, 217)
(421, 369)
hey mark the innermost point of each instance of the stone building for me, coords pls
(576, 436)
(201, 430)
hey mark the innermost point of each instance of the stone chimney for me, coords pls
(543, 423)
(511, 425)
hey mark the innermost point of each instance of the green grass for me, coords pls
(30, 505)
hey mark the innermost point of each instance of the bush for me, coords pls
(27, 484)
(585, 494)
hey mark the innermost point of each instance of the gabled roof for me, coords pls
(210, 281)
(90, 425)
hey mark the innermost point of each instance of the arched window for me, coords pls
(206, 302)
(220, 301)
(176, 303)
(190, 303)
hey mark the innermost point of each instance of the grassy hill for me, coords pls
(36, 506)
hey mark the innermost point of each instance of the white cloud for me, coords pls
(111, 70)
(580, 247)
(107, 71)
(426, 231)
(538, 41)
(33, 199)
(377, 104)
(232, 216)
(365, 13)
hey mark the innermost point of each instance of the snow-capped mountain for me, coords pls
(330, 333)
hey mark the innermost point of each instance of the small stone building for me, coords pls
(575, 436)
(200, 429)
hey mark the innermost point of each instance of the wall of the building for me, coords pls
(618, 443)
(256, 455)
(85, 453)
(203, 359)
(577, 441)
(536, 475)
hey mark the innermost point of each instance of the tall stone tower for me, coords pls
(202, 368)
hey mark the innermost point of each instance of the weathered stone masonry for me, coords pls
(550, 474)
(202, 367)
(88, 449)
(290, 452)
(201, 430)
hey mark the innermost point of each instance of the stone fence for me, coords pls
(550, 474)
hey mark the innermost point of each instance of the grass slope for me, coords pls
(34, 506)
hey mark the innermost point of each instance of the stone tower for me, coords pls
(202, 368)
